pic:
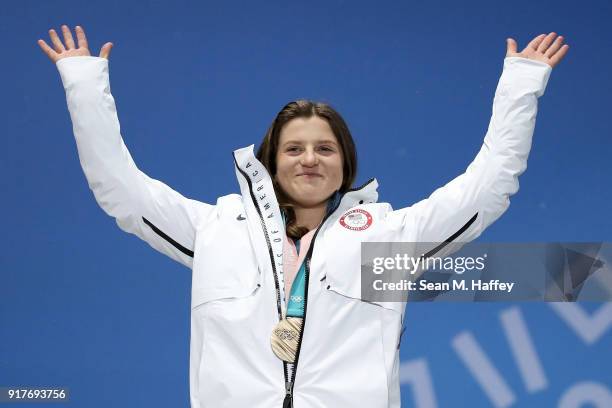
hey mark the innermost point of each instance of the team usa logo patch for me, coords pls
(356, 220)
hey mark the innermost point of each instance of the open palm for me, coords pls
(541, 48)
(60, 51)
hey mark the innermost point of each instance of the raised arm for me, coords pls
(463, 208)
(141, 205)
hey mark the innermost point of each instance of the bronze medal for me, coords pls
(284, 338)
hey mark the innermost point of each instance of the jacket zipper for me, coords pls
(288, 401)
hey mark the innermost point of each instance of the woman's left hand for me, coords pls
(541, 48)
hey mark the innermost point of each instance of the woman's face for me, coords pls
(308, 161)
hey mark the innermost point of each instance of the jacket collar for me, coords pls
(365, 194)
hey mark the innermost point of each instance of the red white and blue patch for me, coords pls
(356, 220)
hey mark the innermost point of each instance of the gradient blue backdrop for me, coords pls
(86, 306)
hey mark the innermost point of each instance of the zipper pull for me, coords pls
(288, 402)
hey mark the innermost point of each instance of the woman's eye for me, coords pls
(326, 148)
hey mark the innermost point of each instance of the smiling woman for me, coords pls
(297, 217)
(308, 164)
(310, 153)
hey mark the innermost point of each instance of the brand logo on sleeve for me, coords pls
(356, 220)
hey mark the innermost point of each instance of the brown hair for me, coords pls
(267, 151)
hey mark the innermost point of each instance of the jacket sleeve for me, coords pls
(463, 208)
(141, 205)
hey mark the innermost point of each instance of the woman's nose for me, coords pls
(309, 158)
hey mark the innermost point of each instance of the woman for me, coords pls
(296, 229)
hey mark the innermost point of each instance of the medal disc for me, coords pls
(284, 338)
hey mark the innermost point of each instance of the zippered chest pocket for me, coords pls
(343, 272)
(224, 264)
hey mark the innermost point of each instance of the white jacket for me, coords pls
(349, 353)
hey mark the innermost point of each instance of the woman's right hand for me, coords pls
(59, 51)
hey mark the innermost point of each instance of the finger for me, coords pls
(57, 44)
(554, 47)
(510, 46)
(106, 49)
(533, 44)
(81, 38)
(68, 37)
(546, 42)
(47, 50)
(559, 55)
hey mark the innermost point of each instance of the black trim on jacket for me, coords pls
(452, 237)
(165, 236)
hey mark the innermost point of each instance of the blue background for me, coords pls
(86, 306)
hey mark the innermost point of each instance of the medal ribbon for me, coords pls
(295, 306)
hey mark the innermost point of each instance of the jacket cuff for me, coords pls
(530, 75)
(75, 70)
